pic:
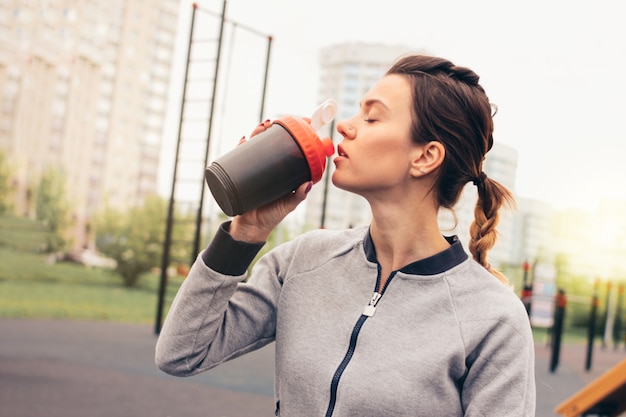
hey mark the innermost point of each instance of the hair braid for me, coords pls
(483, 235)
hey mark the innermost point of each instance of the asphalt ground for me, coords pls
(57, 368)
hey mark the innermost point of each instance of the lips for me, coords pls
(341, 152)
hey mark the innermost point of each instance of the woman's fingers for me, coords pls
(261, 127)
(289, 203)
(256, 225)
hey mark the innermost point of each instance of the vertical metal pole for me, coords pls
(559, 319)
(165, 260)
(592, 327)
(196, 241)
(267, 66)
(607, 316)
(617, 329)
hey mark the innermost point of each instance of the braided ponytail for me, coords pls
(491, 197)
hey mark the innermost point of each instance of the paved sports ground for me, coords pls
(55, 368)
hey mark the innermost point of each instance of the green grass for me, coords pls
(32, 287)
(21, 234)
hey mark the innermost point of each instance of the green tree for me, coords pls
(133, 238)
(6, 171)
(52, 208)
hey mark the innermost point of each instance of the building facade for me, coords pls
(535, 228)
(83, 88)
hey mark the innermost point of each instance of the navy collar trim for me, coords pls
(432, 265)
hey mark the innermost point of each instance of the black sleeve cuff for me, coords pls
(227, 255)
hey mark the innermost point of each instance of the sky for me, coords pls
(556, 70)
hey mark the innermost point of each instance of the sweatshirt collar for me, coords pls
(432, 265)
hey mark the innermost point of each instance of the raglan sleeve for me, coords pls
(215, 315)
(500, 374)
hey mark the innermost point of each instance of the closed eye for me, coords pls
(369, 120)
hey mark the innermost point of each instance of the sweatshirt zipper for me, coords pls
(369, 311)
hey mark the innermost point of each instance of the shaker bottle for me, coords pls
(273, 163)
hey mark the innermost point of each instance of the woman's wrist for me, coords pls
(228, 256)
(247, 233)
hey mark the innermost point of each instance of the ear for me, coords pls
(427, 158)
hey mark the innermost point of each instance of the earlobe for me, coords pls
(429, 158)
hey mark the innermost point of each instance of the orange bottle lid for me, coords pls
(315, 150)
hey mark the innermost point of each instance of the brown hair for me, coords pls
(450, 106)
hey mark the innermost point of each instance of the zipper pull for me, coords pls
(371, 307)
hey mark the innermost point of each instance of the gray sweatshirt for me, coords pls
(444, 337)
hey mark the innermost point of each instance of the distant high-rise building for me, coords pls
(535, 232)
(348, 71)
(83, 87)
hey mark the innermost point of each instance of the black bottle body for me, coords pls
(259, 171)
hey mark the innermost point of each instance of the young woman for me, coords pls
(393, 319)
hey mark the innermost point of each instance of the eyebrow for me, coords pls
(370, 102)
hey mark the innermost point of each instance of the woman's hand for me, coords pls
(256, 225)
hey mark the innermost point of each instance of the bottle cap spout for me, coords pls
(324, 114)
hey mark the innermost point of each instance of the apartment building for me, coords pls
(83, 88)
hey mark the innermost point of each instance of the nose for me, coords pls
(345, 129)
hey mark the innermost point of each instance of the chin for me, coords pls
(349, 181)
(342, 184)
(337, 181)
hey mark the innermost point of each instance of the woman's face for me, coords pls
(376, 149)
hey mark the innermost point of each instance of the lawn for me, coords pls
(33, 287)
